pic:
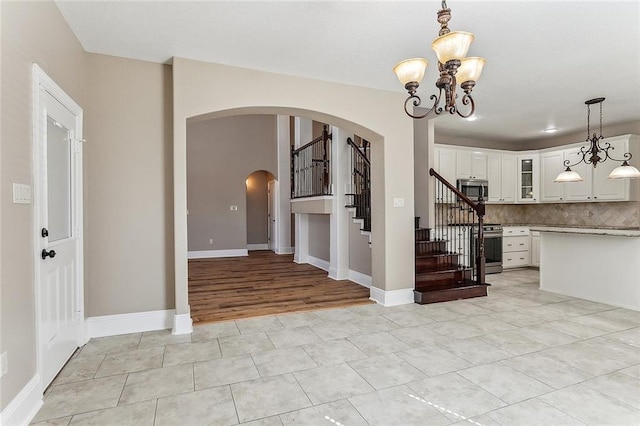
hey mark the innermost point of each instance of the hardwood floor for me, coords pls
(263, 284)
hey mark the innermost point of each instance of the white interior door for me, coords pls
(271, 207)
(57, 224)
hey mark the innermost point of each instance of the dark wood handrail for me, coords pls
(324, 137)
(357, 149)
(479, 207)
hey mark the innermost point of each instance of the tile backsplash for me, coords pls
(597, 215)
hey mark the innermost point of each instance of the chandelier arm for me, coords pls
(581, 160)
(466, 100)
(436, 102)
(626, 156)
(416, 103)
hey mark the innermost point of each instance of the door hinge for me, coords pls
(78, 317)
(78, 144)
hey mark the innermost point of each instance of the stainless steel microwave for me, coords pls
(473, 188)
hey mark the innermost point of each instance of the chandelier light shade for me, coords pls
(411, 70)
(597, 153)
(451, 49)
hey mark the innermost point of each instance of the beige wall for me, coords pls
(258, 207)
(320, 236)
(31, 32)
(202, 89)
(221, 154)
(129, 240)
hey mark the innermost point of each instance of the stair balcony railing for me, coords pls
(360, 194)
(459, 221)
(311, 167)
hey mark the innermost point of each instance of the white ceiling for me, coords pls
(544, 58)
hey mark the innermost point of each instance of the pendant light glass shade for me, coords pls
(470, 69)
(411, 70)
(453, 45)
(624, 171)
(568, 176)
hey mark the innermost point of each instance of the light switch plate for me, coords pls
(21, 193)
(398, 202)
(233, 208)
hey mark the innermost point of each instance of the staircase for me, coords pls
(440, 276)
(450, 255)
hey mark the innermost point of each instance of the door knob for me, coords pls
(44, 233)
(50, 253)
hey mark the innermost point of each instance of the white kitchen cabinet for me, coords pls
(550, 167)
(535, 249)
(595, 185)
(516, 247)
(501, 174)
(577, 191)
(528, 189)
(612, 189)
(471, 164)
(445, 163)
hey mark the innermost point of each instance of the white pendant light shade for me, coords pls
(470, 69)
(624, 171)
(411, 70)
(568, 176)
(453, 45)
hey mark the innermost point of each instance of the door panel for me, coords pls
(57, 224)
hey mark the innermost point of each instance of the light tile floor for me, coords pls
(517, 357)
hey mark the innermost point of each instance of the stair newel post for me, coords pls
(480, 259)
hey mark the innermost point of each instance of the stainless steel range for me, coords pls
(492, 247)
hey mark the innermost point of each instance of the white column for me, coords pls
(303, 133)
(429, 221)
(283, 195)
(339, 221)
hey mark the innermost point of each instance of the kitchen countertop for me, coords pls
(630, 232)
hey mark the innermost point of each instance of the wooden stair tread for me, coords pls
(447, 267)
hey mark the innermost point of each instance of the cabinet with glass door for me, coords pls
(528, 180)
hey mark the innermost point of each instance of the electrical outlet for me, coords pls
(233, 208)
(4, 365)
(210, 240)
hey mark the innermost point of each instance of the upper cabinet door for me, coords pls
(550, 167)
(446, 164)
(578, 191)
(471, 165)
(611, 189)
(509, 172)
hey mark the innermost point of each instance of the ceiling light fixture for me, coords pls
(550, 130)
(597, 153)
(451, 47)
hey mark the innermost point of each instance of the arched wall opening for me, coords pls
(203, 91)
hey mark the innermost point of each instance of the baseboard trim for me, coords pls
(24, 407)
(359, 278)
(205, 254)
(137, 322)
(182, 324)
(338, 274)
(251, 247)
(318, 263)
(392, 297)
(285, 250)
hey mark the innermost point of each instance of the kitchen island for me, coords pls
(601, 265)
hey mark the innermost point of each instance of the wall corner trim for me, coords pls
(182, 324)
(23, 408)
(137, 322)
(205, 254)
(392, 297)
